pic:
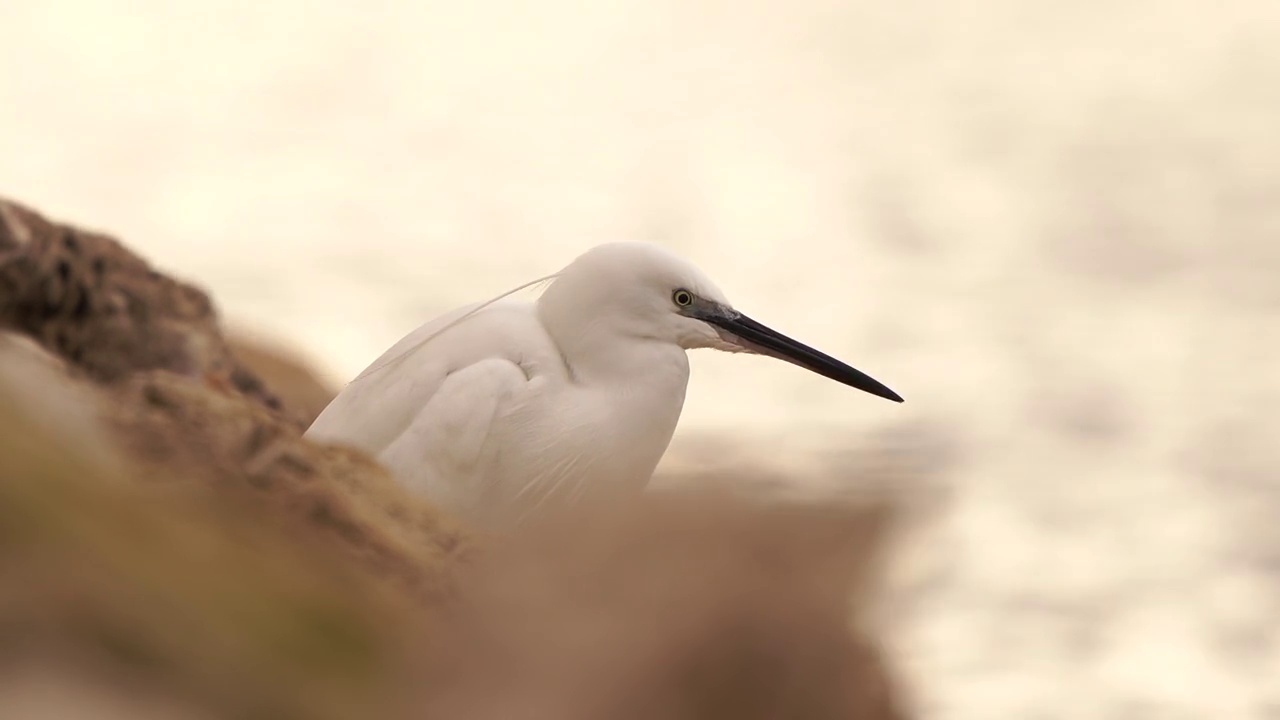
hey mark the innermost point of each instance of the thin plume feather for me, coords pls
(560, 471)
(378, 366)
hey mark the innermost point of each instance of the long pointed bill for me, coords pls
(758, 338)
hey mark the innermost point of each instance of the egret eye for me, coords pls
(682, 298)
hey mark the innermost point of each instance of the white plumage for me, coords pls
(499, 408)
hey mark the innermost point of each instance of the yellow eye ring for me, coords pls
(682, 298)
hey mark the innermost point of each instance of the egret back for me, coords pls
(374, 409)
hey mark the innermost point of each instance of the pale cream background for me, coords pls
(1054, 227)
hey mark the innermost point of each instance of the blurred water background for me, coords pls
(1053, 227)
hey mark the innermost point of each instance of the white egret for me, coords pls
(496, 408)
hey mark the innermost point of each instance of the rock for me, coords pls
(674, 606)
(40, 388)
(188, 596)
(189, 432)
(91, 301)
(292, 379)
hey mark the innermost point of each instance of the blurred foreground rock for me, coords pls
(676, 607)
(171, 547)
(190, 593)
(293, 380)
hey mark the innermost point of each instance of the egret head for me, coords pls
(644, 291)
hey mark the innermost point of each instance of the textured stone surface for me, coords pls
(108, 312)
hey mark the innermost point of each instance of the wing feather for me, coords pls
(444, 451)
(374, 409)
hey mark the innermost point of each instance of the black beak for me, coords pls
(767, 341)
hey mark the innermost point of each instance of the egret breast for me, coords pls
(562, 442)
